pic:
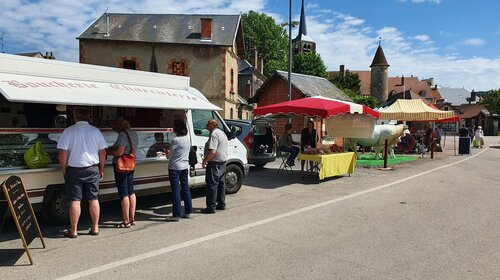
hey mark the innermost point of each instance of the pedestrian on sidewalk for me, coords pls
(214, 161)
(178, 169)
(125, 144)
(479, 134)
(82, 154)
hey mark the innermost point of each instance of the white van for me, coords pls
(37, 96)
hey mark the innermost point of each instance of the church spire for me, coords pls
(303, 43)
(302, 24)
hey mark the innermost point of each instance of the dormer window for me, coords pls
(423, 93)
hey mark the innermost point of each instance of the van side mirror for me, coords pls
(232, 132)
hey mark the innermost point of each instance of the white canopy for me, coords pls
(35, 80)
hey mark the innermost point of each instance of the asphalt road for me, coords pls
(427, 219)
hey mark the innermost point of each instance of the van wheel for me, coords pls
(234, 178)
(56, 211)
(260, 165)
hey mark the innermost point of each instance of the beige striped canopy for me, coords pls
(413, 110)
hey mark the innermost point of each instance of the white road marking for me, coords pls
(248, 226)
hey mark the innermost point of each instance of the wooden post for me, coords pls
(455, 140)
(433, 142)
(385, 153)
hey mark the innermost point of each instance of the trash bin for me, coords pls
(464, 145)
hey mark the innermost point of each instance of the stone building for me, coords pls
(204, 47)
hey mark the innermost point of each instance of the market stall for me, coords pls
(341, 118)
(329, 165)
(416, 110)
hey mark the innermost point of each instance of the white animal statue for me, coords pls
(392, 133)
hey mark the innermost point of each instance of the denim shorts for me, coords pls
(124, 183)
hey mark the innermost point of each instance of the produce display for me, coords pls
(324, 149)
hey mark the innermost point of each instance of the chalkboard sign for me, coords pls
(22, 212)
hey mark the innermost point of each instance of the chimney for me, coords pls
(107, 25)
(402, 80)
(431, 82)
(342, 70)
(206, 28)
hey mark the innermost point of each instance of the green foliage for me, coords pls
(367, 100)
(309, 63)
(492, 101)
(260, 31)
(357, 97)
(347, 81)
(350, 84)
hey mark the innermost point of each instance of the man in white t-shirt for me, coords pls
(82, 156)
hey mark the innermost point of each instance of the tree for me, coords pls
(309, 63)
(347, 81)
(357, 97)
(350, 84)
(491, 101)
(261, 32)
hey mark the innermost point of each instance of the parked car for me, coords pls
(259, 138)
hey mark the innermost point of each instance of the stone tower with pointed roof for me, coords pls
(303, 43)
(379, 76)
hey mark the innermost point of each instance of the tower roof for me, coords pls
(379, 59)
(302, 26)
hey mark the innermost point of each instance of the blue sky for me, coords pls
(454, 41)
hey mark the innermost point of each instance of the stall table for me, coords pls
(329, 165)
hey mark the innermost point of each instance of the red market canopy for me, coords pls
(343, 119)
(317, 106)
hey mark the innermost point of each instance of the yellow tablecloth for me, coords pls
(332, 164)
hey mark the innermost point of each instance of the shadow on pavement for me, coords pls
(268, 178)
(9, 257)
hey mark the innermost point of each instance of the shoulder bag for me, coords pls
(126, 163)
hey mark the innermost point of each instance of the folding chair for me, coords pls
(284, 167)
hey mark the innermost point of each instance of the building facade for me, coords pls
(205, 48)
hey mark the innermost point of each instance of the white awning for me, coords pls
(36, 80)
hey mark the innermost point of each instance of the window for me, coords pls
(232, 85)
(200, 118)
(13, 145)
(231, 113)
(129, 64)
(307, 48)
(178, 67)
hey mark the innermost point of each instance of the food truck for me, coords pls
(36, 101)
